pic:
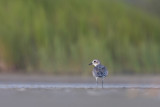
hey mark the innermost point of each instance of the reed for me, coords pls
(63, 36)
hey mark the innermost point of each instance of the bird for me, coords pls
(99, 71)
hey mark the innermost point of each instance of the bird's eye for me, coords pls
(94, 61)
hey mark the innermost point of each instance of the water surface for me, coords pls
(76, 85)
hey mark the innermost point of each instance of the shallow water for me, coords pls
(44, 91)
(76, 85)
(79, 95)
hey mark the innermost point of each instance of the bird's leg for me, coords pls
(97, 81)
(102, 82)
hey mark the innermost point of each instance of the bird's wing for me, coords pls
(100, 71)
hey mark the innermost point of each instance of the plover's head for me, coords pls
(95, 62)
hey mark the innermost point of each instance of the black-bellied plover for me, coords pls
(99, 71)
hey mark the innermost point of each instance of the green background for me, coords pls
(64, 36)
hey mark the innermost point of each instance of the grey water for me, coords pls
(76, 85)
(78, 95)
(122, 91)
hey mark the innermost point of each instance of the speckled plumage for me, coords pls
(99, 71)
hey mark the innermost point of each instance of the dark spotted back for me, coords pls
(100, 71)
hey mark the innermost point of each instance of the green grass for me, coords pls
(63, 36)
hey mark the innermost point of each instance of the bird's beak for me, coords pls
(90, 63)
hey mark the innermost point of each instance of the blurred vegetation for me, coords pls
(151, 6)
(63, 36)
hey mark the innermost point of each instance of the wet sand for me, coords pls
(48, 91)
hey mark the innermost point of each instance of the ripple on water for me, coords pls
(85, 86)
